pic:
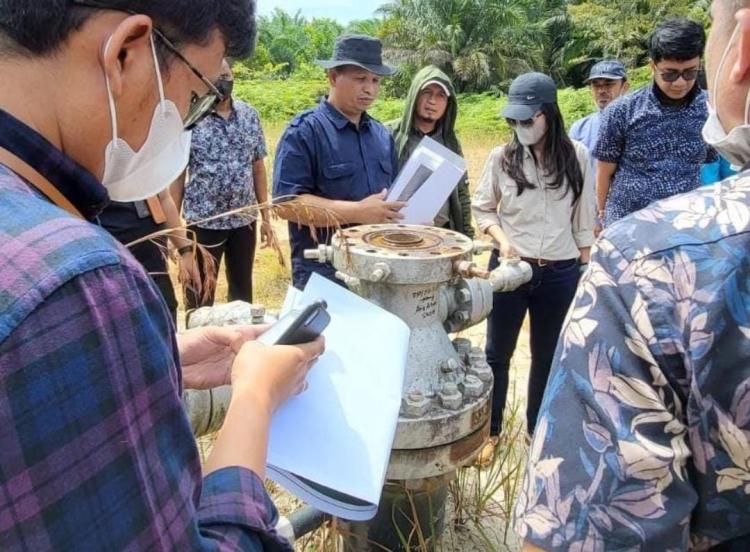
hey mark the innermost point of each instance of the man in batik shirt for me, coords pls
(643, 441)
(227, 173)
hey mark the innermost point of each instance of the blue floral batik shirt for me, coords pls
(643, 441)
(657, 147)
(220, 173)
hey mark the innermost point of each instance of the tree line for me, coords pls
(481, 44)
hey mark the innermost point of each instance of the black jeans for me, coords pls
(547, 298)
(238, 244)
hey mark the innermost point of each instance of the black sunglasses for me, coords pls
(200, 106)
(672, 75)
(526, 123)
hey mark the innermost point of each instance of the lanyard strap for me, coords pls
(33, 177)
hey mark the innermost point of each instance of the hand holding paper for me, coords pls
(376, 209)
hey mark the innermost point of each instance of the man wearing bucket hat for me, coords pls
(335, 159)
(608, 80)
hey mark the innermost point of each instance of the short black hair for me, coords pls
(41, 27)
(677, 38)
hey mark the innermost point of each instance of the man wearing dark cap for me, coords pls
(650, 145)
(608, 80)
(335, 159)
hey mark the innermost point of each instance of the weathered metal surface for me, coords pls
(207, 409)
(441, 427)
(436, 461)
(415, 254)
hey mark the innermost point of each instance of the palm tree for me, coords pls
(475, 41)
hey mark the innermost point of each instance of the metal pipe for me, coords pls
(301, 522)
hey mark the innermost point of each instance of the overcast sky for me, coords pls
(340, 10)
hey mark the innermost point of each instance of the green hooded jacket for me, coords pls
(459, 202)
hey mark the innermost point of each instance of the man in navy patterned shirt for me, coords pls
(650, 145)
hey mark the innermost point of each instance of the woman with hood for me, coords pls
(536, 201)
(431, 110)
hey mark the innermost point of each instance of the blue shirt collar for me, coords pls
(77, 184)
(338, 119)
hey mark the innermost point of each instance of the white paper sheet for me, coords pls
(338, 434)
(426, 181)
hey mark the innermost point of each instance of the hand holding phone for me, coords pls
(298, 326)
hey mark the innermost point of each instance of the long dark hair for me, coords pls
(560, 159)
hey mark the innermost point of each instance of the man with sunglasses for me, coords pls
(97, 451)
(649, 145)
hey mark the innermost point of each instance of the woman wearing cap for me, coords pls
(536, 201)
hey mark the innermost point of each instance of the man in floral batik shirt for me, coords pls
(643, 440)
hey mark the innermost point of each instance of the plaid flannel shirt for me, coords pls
(97, 452)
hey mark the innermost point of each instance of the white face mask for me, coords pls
(528, 136)
(735, 146)
(134, 176)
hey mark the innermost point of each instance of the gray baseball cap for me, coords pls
(527, 94)
(608, 69)
(360, 50)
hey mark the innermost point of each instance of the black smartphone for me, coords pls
(298, 326)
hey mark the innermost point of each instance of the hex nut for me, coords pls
(464, 296)
(473, 386)
(462, 347)
(257, 314)
(450, 397)
(415, 405)
(462, 317)
(477, 356)
(481, 371)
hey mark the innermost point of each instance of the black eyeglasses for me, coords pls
(672, 75)
(526, 123)
(200, 106)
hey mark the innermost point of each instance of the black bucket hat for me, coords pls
(360, 50)
(527, 94)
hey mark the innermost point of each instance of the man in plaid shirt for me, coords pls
(97, 452)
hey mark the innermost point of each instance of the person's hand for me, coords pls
(267, 235)
(598, 230)
(274, 374)
(189, 274)
(207, 354)
(375, 210)
(507, 251)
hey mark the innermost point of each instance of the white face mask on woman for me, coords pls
(735, 146)
(530, 135)
(136, 175)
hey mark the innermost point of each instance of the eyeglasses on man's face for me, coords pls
(200, 105)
